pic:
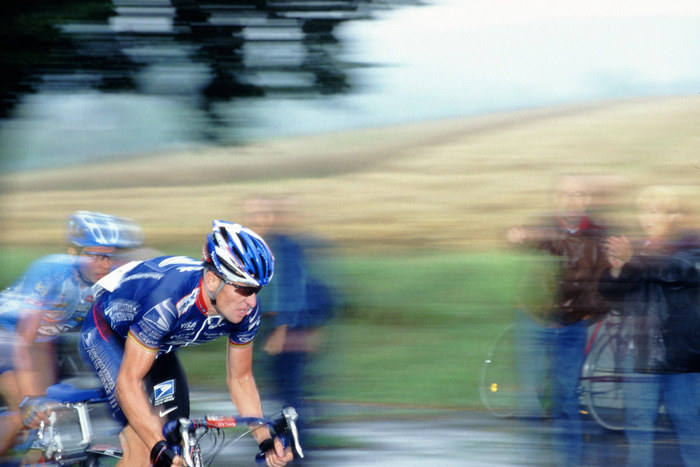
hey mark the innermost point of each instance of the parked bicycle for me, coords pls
(80, 431)
(602, 377)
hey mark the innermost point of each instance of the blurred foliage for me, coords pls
(31, 41)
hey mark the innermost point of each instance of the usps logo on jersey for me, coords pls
(164, 392)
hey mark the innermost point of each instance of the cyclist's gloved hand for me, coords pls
(162, 455)
(274, 452)
(171, 431)
(35, 410)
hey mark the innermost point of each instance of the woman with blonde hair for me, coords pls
(656, 284)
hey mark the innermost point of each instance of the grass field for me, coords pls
(400, 340)
(418, 215)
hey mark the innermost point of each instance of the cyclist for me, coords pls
(51, 298)
(145, 310)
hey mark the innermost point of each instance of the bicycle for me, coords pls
(601, 383)
(70, 437)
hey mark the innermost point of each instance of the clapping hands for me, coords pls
(618, 251)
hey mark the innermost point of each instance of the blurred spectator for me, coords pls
(656, 283)
(48, 300)
(296, 303)
(551, 336)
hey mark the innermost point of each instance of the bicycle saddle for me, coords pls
(76, 390)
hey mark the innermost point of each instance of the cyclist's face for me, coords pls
(95, 262)
(235, 304)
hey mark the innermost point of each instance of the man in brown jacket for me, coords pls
(551, 337)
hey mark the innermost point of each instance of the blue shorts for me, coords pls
(103, 351)
(8, 340)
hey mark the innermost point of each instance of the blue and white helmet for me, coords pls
(86, 229)
(239, 255)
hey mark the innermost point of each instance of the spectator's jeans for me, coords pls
(556, 355)
(289, 378)
(642, 398)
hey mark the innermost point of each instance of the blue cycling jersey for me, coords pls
(159, 304)
(53, 285)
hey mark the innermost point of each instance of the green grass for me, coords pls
(413, 330)
(13, 261)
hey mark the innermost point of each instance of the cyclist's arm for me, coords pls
(132, 396)
(245, 396)
(27, 376)
(27, 328)
(241, 384)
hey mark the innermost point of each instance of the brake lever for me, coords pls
(291, 416)
(286, 426)
(185, 425)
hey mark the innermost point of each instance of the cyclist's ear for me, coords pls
(211, 281)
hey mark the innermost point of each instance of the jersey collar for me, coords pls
(200, 299)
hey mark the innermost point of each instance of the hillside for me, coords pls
(449, 184)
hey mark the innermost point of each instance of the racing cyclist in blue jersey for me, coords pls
(49, 299)
(145, 310)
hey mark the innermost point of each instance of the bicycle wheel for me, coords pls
(602, 382)
(498, 386)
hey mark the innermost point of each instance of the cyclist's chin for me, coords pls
(235, 316)
(97, 276)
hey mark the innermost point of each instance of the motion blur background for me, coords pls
(411, 135)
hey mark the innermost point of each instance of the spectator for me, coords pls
(296, 302)
(656, 283)
(551, 340)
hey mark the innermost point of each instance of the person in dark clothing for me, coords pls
(296, 305)
(656, 285)
(551, 337)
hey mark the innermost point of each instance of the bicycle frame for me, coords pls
(70, 436)
(192, 431)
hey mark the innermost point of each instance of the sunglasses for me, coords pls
(99, 256)
(246, 291)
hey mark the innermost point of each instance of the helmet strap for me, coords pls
(212, 296)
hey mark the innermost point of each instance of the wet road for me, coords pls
(372, 436)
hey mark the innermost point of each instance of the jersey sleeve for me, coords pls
(154, 324)
(39, 288)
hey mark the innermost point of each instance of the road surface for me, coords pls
(369, 436)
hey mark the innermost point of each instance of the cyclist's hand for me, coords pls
(35, 411)
(278, 456)
(163, 456)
